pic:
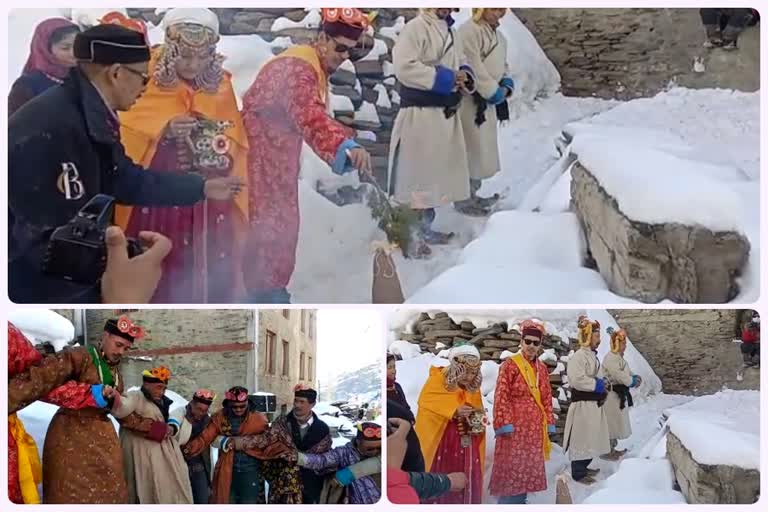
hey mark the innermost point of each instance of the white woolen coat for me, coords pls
(617, 371)
(586, 426)
(486, 51)
(427, 154)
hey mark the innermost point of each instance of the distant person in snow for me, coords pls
(51, 56)
(750, 342)
(427, 153)
(450, 423)
(25, 471)
(619, 380)
(287, 104)
(95, 475)
(307, 433)
(357, 465)
(586, 426)
(190, 421)
(486, 50)
(155, 470)
(187, 121)
(522, 421)
(724, 26)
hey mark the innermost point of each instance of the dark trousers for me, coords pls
(201, 487)
(245, 488)
(518, 499)
(750, 352)
(736, 18)
(579, 468)
(274, 296)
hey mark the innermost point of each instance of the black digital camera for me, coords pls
(77, 250)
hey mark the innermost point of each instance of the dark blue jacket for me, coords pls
(67, 136)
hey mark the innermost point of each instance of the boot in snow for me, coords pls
(714, 37)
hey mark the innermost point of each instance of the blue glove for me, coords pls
(508, 83)
(97, 391)
(635, 381)
(505, 429)
(551, 429)
(498, 97)
(345, 476)
(599, 386)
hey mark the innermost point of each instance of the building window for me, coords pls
(310, 369)
(287, 313)
(301, 366)
(270, 353)
(125, 311)
(286, 359)
(303, 321)
(311, 326)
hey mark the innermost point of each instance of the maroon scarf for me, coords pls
(40, 56)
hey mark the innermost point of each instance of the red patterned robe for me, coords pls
(283, 107)
(518, 463)
(21, 356)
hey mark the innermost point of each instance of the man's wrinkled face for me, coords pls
(128, 82)
(155, 389)
(113, 347)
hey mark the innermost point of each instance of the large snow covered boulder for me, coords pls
(659, 226)
(711, 484)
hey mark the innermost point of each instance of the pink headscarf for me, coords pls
(40, 56)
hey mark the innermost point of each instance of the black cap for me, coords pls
(111, 44)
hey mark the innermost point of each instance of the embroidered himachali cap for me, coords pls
(463, 349)
(194, 27)
(124, 328)
(160, 374)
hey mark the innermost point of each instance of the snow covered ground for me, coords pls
(644, 476)
(710, 138)
(43, 326)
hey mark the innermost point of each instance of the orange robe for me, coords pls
(206, 264)
(436, 429)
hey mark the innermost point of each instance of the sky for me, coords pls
(348, 339)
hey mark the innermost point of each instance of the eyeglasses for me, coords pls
(144, 77)
(532, 342)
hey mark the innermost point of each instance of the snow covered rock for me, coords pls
(711, 484)
(649, 238)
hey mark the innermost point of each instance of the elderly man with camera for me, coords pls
(64, 149)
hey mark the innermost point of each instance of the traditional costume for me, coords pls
(287, 482)
(42, 70)
(619, 380)
(586, 426)
(486, 50)
(206, 262)
(155, 470)
(522, 420)
(199, 466)
(25, 471)
(427, 155)
(363, 487)
(82, 460)
(236, 477)
(287, 105)
(449, 443)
